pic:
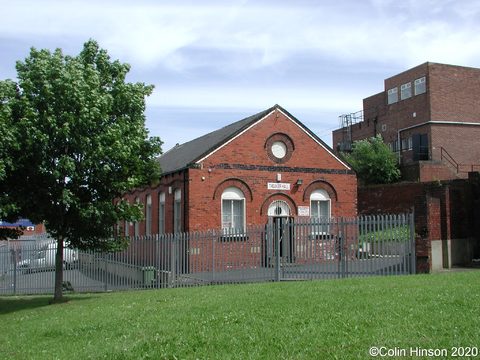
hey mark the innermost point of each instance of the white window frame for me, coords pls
(161, 213)
(148, 214)
(230, 196)
(395, 146)
(392, 95)
(407, 143)
(317, 197)
(177, 211)
(420, 86)
(406, 91)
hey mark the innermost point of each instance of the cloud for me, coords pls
(262, 52)
(312, 57)
(260, 97)
(261, 34)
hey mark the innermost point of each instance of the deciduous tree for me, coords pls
(79, 141)
(373, 161)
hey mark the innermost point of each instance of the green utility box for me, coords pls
(148, 275)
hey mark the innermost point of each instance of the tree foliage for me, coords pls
(78, 141)
(8, 145)
(373, 161)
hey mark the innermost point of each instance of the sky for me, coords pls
(216, 62)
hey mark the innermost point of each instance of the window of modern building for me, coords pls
(148, 215)
(320, 211)
(420, 147)
(177, 214)
(161, 213)
(406, 91)
(233, 210)
(395, 146)
(392, 95)
(136, 228)
(420, 86)
(407, 144)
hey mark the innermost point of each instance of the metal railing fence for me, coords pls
(283, 249)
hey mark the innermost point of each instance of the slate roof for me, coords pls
(184, 155)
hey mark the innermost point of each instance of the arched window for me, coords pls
(320, 211)
(161, 213)
(127, 226)
(320, 204)
(136, 228)
(148, 215)
(177, 208)
(233, 210)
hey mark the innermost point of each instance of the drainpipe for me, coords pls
(399, 147)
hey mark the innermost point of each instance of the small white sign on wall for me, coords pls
(304, 211)
(278, 186)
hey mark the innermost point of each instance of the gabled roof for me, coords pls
(184, 155)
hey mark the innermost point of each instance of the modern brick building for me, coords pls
(266, 166)
(429, 115)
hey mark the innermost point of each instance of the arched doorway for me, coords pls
(280, 222)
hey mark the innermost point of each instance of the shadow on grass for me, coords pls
(13, 304)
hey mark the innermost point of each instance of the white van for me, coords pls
(43, 258)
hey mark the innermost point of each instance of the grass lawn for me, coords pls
(329, 319)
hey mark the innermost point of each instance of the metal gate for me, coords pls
(332, 248)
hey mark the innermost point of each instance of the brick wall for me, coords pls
(388, 199)
(454, 93)
(461, 142)
(168, 185)
(446, 210)
(427, 171)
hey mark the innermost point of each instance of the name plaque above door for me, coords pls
(278, 186)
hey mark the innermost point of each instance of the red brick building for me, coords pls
(265, 166)
(429, 115)
(26, 226)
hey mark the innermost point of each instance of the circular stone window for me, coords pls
(279, 148)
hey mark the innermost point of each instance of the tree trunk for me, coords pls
(58, 294)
